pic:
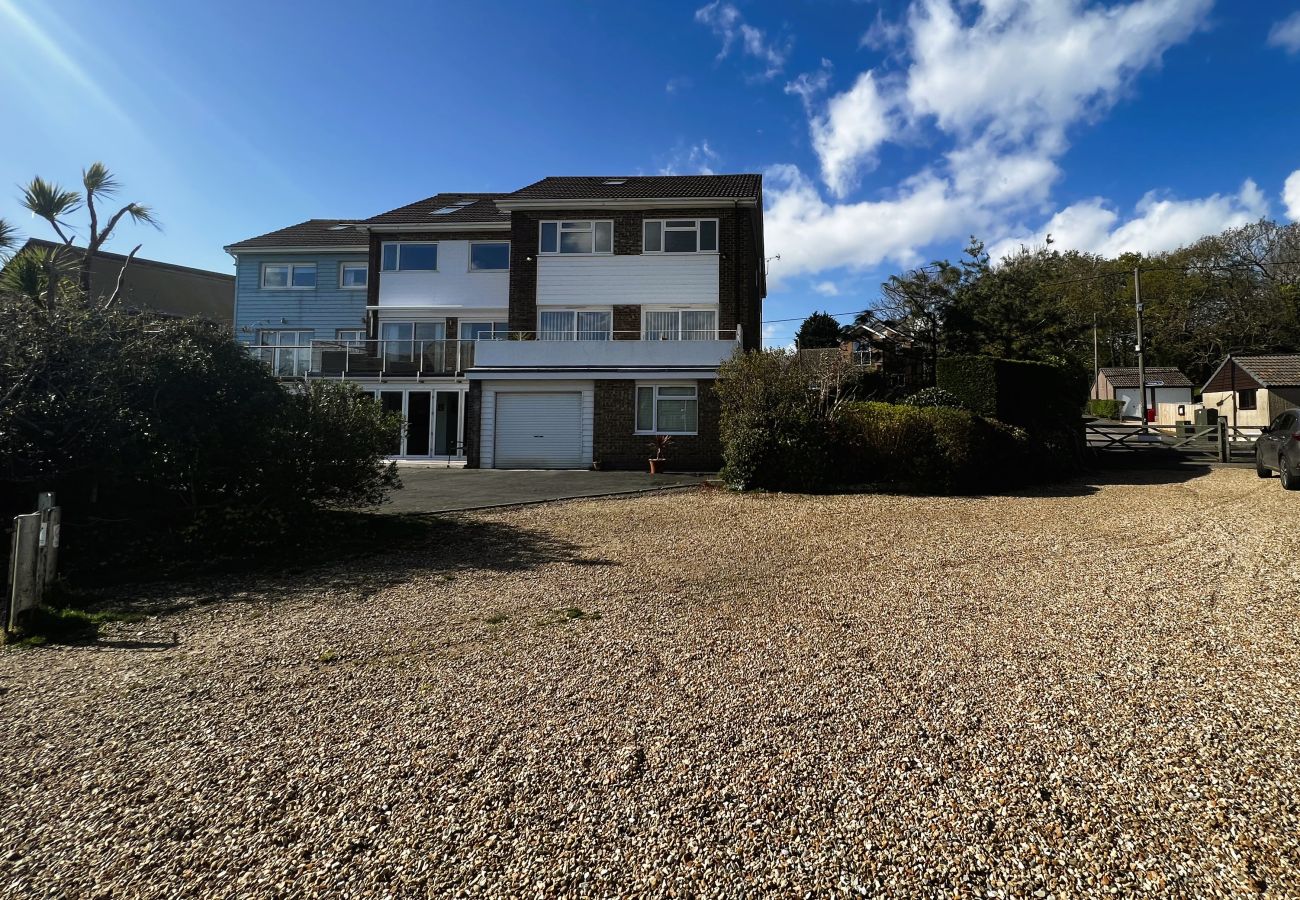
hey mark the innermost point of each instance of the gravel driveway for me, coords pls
(1083, 692)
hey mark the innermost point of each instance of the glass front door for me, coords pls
(447, 424)
(434, 422)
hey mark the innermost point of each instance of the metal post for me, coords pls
(1141, 349)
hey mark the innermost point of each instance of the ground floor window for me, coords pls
(667, 409)
(287, 352)
(1247, 399)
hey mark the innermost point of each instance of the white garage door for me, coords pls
(538, 431)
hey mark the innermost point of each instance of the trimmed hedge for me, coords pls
(1105, 409)
(1028, 394)
(935, 449)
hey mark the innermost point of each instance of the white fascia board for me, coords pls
(656, 203)
(359, 248)
(603, 374)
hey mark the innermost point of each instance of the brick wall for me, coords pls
(473, 408)
(617, 446)
(627, 322)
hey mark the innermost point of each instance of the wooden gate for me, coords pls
(1212, 443)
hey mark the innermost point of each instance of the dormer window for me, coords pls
(589, 237)
(680, 236)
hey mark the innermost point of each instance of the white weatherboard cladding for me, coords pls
(644, 279)
(1132, 399)
(512, 390)
(453, 287)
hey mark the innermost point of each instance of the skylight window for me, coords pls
(614, 181)
(455, 207)
(344, 226)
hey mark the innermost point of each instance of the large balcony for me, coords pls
(368, 359)
(606, 351)
(409, 359)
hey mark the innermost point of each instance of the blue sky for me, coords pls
(888, 131)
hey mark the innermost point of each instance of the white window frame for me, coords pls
(677, 310)
(289, 285)
(399, 245)
(573, 331)
(350, 337)
(559, 234)
(694, 227)
(655, 386)
(298, 353)
(470, 261)
(364, 266)
(500, 329)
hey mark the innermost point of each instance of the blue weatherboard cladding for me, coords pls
(322, 310)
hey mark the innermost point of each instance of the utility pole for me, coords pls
(1096, 354)
(1141, 348)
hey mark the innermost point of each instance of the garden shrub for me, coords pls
(1105, 409)
(933, 396)
(166, 437)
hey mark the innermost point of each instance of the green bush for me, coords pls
(1027, 394)
(776, 432)
(782, 430)
(933, 396)
(165, 437)
(1105, 409)
(936, 449)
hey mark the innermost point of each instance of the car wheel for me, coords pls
(1262, 470)
(1290, 481)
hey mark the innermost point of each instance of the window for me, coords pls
(408, 257)
(578, 237)
(667, 409)
(1246, 399)
(405, 342)
(351, 337)
(483, 331)
(574, 325)
(289, 276)
(352, 275)
(680, 236)
(288, 352)
(681, 325)
(489, 257)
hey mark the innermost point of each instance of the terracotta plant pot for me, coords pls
(657, 466)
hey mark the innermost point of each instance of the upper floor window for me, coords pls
(489, 256)
(578, 237)
(483, 331)
(574, 325)
(681, 236)
(406, 256)
(287, 351)
(289, 275)
(353, 275)
(681, 325)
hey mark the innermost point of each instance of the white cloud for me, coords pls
(1008, 80)
(827, 288)
(727, 23)
(1159, 223)
(1291, 196)
(809, 85)
(692, 159)
(812, 235)
(845, 138)
(1286, 34)
(678, 83)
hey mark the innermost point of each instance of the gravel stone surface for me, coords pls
(1087, 691)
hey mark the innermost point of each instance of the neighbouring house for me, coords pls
(556, 326)
(878, 346)
(165, 289)
(1165, 386)
(1250, 391)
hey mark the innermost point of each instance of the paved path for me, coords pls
(431, 489)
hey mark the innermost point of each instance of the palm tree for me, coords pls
(54, 204)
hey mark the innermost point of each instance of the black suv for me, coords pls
(1279, 448)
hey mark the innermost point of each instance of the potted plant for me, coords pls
(658, 444)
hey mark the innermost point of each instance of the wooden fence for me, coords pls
(1213, 443)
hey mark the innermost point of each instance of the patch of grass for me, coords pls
(575, 614)
(497, 619)
(68, 624)
(327, 656)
